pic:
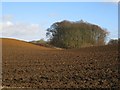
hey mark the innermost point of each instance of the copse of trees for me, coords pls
(66, 34)
(113, 42)
(41, 42)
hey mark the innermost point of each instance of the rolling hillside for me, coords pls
(31, 66)
(20, 44)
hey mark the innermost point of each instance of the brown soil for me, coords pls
(31, 66)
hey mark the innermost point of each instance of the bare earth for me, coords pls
(30, 66)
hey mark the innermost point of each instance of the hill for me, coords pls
(31, 66)
(21, 44)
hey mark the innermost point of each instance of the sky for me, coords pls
(29, 20)
(60, 0)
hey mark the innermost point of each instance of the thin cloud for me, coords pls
(7, 18)
(53, 15)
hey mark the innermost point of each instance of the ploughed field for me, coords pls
(31, 66)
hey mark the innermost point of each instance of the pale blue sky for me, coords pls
(43, 14)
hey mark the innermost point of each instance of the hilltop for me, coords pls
(6, 42)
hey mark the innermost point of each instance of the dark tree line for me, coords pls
(78, 34)
(114, 41)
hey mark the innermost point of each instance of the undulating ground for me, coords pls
(30, 66)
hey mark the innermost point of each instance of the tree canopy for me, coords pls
(66, 34)
(113, 41)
